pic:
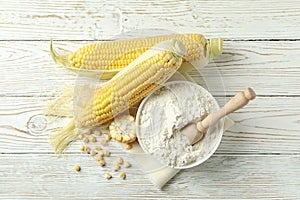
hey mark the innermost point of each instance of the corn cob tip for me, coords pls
(64, 138)
(214, 47)
(58, 59)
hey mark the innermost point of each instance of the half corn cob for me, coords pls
(116, 55)
(122, 129)
(126, 89)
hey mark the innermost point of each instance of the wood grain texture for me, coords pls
(265, 126)
(82, 20)
(258, 157)
(221, 177)
(270, 67)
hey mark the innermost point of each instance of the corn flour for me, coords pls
(164, 113)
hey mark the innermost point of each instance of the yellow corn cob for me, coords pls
(113, 56)
(129, 87)
(126, 89)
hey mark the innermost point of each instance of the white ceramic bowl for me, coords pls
(212, 138)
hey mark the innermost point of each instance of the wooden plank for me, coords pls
(29, 65)
(266, 125)
(232, 177)
(272, 68)
(82, 20)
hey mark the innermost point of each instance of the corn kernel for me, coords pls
(117, 167)
(101, 163)
(93, 153)
(127, 164)
(101, 153)
(106, 153)
(107, 137)
(107, 175)
(119, 160)
(97, 148)
(122, 175)
(87, 149)
(77, 168)
(82, 148)
(98, 157)
(92, 139)
(128, 146)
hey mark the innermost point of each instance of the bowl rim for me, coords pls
(221, 130)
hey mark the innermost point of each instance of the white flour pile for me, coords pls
(165, 113)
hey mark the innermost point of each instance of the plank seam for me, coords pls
(107, 40)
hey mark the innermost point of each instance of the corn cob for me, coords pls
(116, 55)
(122, 129)
(126, 89)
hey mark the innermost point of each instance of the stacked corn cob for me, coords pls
(127, 88)
(134, 83)
(144, 64)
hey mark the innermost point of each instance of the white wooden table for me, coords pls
(258, 158)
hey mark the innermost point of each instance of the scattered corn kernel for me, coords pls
(119, 160)
(102, 163)
(93, 139)
(77, 168)
(87, 149)
(99, 157)
(106, 153)
(93, 153)
(97, 148)
(101, 153)
(107, 175)
(122, 175)
(117, 167)
(107, 137)
(127, 164)
(128, 146)
(82, 148)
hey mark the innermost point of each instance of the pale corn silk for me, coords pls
(86, 86)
